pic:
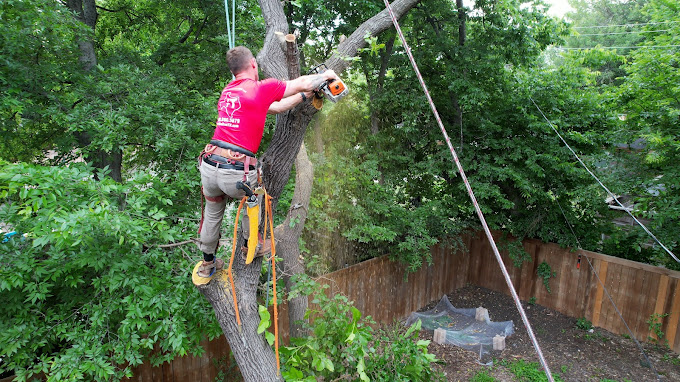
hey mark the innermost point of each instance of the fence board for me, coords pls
(526, 279)
(563, 291)
(610, 318)
(597, 306)
(631, 284)
(672, 327)
(642, 304)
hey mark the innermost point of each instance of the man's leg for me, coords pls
(213, 214)
(210, 231)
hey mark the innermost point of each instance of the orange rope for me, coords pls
(269, 220)
(231, 262)
(268, 212)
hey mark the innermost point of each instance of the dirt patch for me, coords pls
(573, 354)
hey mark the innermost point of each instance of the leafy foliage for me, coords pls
(87, 293)
(38, 46)
(583, 324)
(545, 273)
(342, 345)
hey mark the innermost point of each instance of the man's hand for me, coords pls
(330, 75)
(308, 83)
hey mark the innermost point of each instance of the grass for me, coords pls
(528, 371)
(483, 376)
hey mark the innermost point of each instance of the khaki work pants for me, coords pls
(217, 182)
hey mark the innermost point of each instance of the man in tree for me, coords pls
(230, 156)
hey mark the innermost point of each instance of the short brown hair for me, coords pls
(238, 59)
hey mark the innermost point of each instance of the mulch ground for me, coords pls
(573, 354)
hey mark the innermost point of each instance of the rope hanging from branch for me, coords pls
(231, 24)
(472, 197)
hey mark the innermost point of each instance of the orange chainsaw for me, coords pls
(334, 90)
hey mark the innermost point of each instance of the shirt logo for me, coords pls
(230, 104)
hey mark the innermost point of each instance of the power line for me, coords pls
(504, 270)
(611, 33)
(611, 195)
(626, 25)
(619, 47)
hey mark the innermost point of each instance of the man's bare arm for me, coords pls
(288, 103)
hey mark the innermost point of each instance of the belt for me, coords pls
(229, 146)
(238, 166)
(231, 155)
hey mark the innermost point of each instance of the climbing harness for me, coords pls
(233, 157)
(472, 197)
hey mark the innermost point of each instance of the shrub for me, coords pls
(341, 344)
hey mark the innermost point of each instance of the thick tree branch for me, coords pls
(373, 26)
(272, 58)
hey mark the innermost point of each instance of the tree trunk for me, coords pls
(86, 12)
(255, 359)
(288, 236)
(253, 354)
(458, 111)
(384, 60)
(461, 24)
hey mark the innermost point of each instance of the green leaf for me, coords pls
(356, 314)
(414, 328)
(270, 338)
(265, 319)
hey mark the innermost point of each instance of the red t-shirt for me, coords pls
(242, 110)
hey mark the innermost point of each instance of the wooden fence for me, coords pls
(379, 288)
(189, 368)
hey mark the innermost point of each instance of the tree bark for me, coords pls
(288, 235)
(255, 359)
(458, 111)
(461, 24)
(253, 354)
(86, 12)
(384, 60)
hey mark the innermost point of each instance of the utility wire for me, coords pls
(602, 185)
(472, 197)
(642, 350)
(619, 47)
(613, 33)
(626, 25)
